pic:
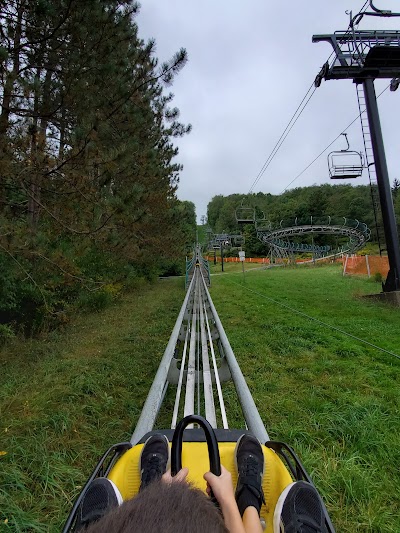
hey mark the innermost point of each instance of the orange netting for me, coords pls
(352, 264)
(264, 260)
(366, 264)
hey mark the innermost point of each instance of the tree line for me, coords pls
(318, 201)
(88, 170)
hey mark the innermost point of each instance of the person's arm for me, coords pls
(223, 491)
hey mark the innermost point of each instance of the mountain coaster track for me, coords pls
(278, 239)
(197, 361)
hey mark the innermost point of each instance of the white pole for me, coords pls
(368, 269)
(345, 264)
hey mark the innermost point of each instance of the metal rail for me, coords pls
(198, 358)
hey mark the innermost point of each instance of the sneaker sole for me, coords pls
(117, 492)
(235, 455)
(279, 507)
(168, 466)
(83, 515)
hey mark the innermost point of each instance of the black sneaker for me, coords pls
(101, 496)
(299, 510)
(249, 460)
(154, 459)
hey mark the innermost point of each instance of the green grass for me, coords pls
(65, 399)
(334, 399)
(230, 268)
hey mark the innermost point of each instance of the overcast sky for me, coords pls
(250, 64)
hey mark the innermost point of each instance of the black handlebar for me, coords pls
(212, 444)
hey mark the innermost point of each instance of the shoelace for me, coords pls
(250, 470)
(250, 467)
(152, 470)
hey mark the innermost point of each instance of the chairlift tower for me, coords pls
(364, 56)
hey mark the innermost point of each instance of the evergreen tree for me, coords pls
(395, 188)
(87, 130)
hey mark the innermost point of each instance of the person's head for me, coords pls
(169, 508)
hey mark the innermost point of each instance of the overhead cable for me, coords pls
(329, 145)
(296, 115)
(281, 139)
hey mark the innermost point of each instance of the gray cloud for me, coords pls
(250, 64)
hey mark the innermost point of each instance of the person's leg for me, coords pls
(249, 494)
(251, 520)
(154, 459)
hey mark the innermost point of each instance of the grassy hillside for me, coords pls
(334, 399)
(64, 400)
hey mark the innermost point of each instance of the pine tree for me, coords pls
(87, 151)
(395, 187)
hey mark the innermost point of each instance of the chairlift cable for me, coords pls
(290, 124)
(282, 138)
(329, 145)
(276, 147)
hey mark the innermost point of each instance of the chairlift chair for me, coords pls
(245, 215)
(263, 224)
(345, 164)
(238, 240)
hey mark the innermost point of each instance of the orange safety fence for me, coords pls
(352, 264)
(366, 265)
(263, 260)
(266, 260)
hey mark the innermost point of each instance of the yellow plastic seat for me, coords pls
(125, 473)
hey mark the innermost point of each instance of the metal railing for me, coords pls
(189, 270)
(361, 53)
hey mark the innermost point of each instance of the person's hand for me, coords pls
(179, 478)
(223, 491)
(221, 486)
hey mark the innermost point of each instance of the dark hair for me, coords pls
(170, 508)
